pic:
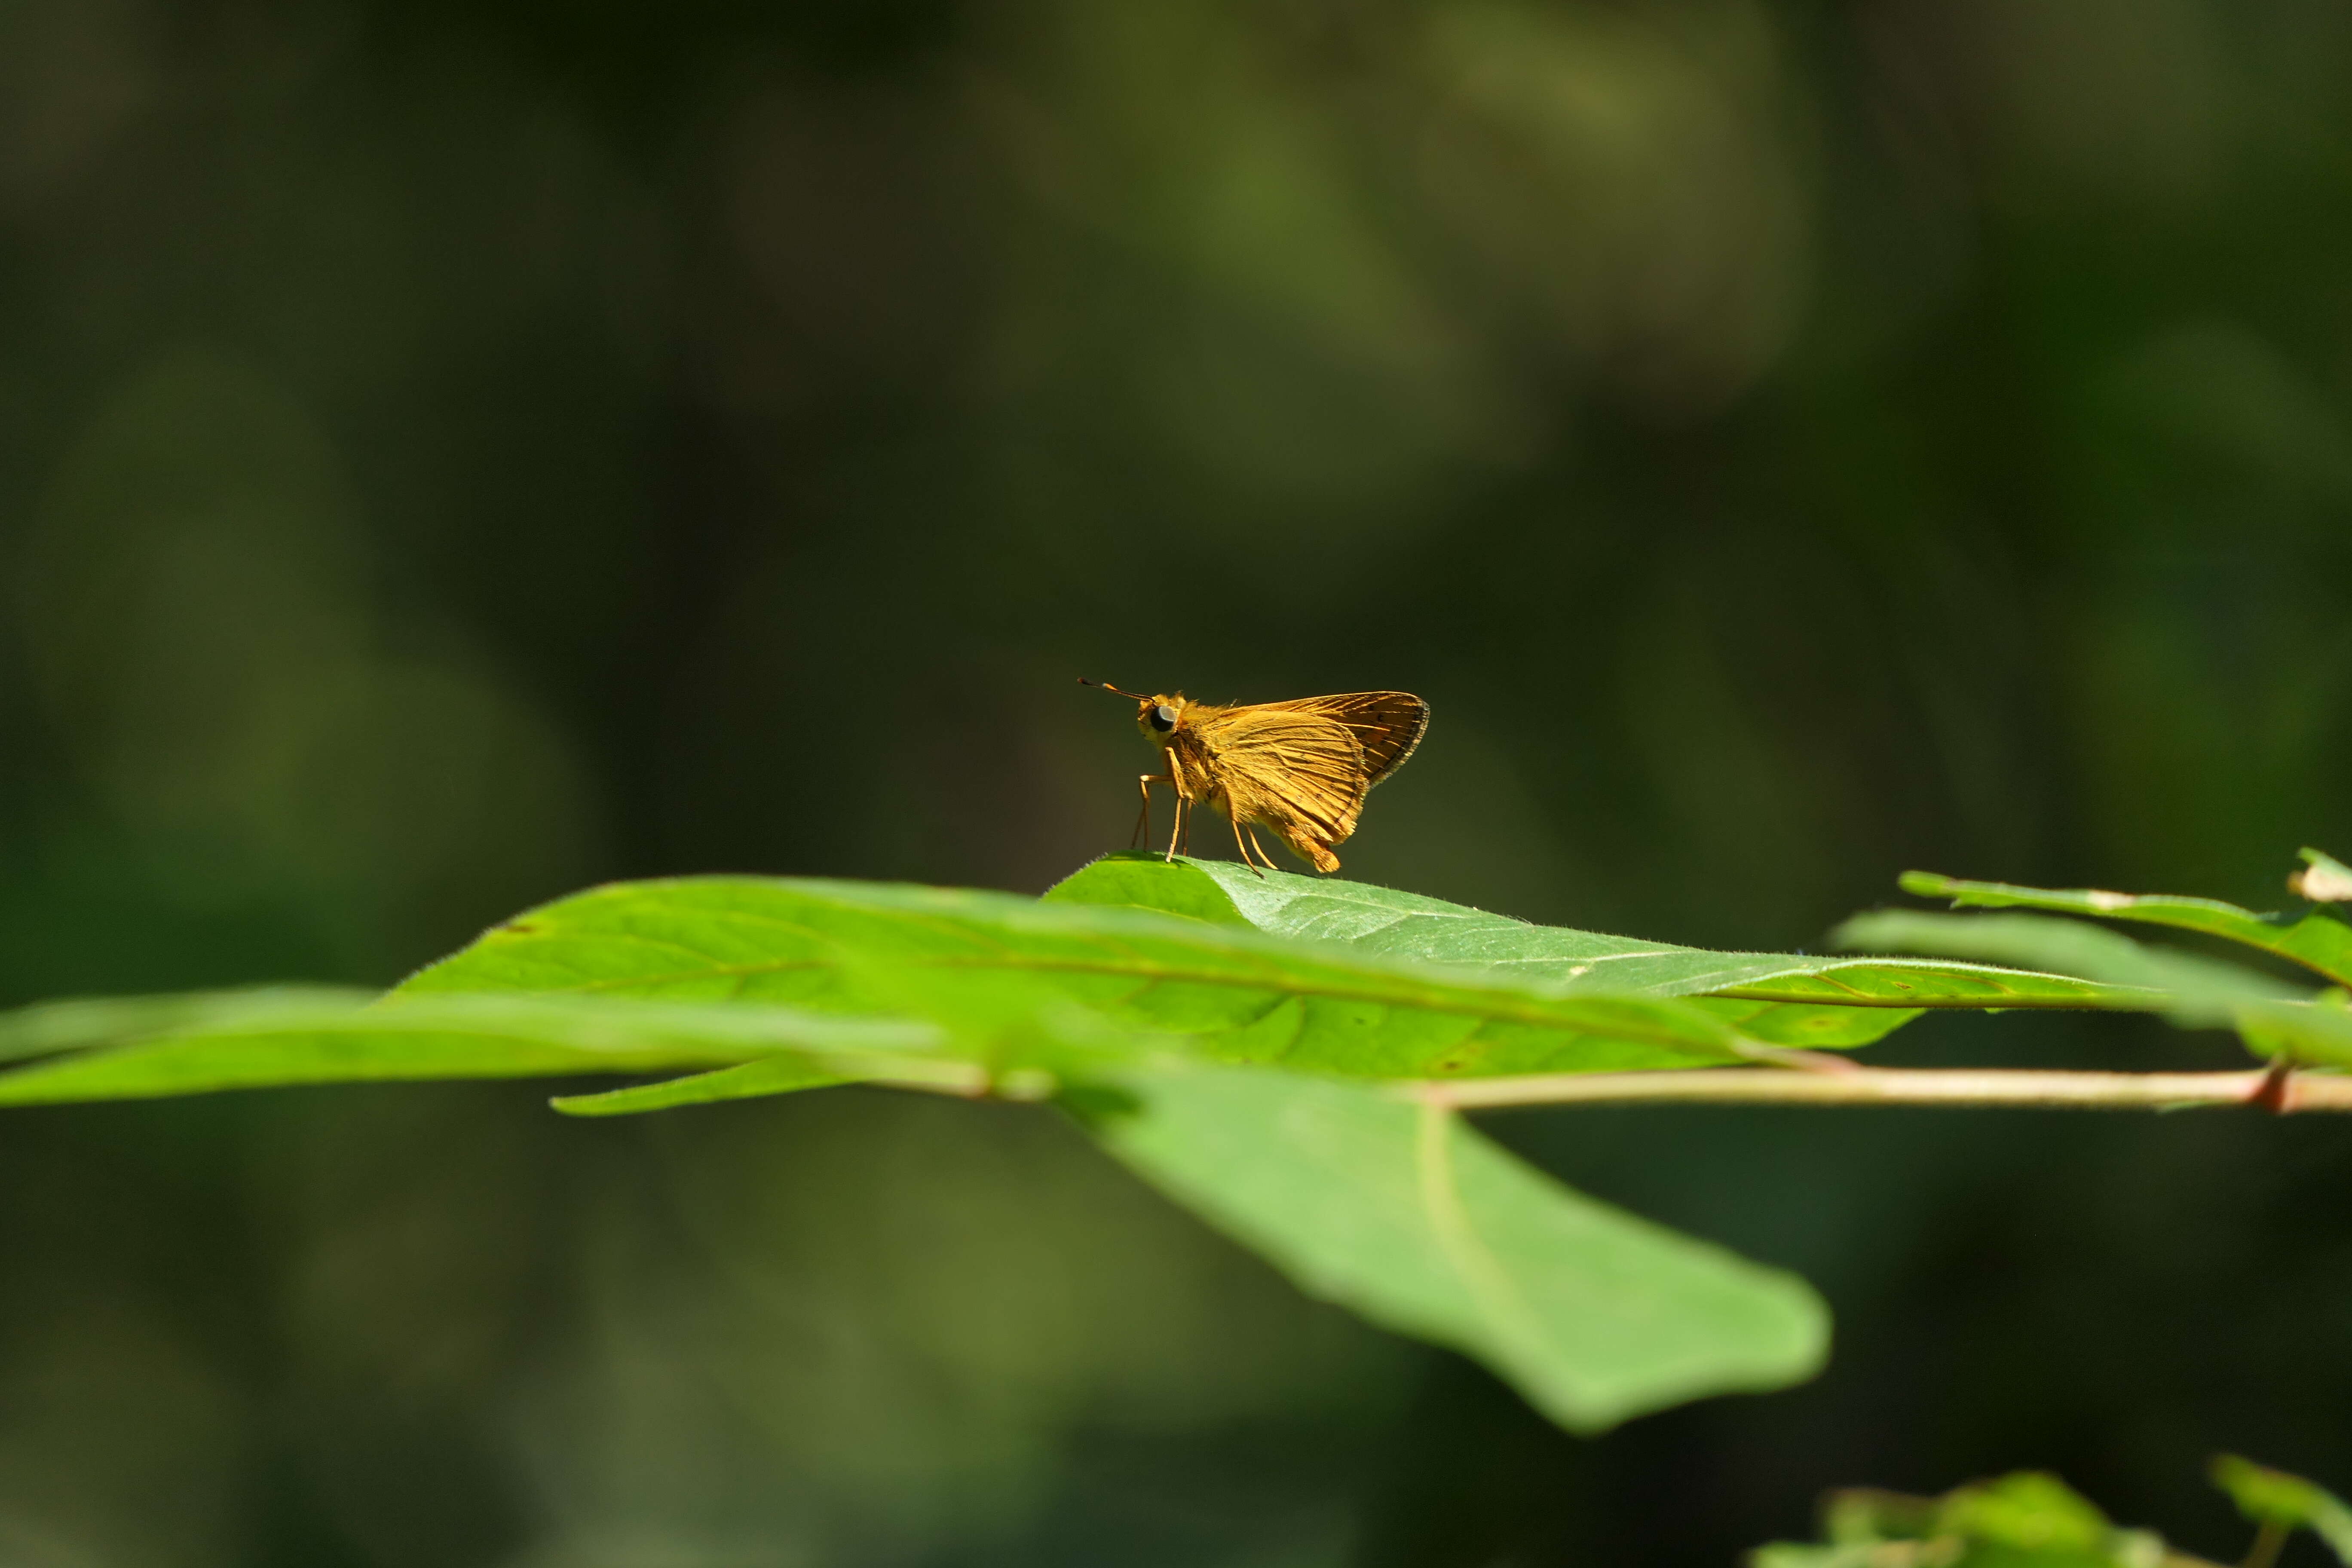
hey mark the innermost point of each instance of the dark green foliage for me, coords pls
(2035, 1520)
(457, 451)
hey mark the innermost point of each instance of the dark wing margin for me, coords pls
(1387, 724)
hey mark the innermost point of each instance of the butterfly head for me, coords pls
(1157, 717)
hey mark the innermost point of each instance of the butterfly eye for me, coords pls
(1163, 717)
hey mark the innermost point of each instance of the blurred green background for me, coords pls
(451, 453)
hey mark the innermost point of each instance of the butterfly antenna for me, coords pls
(1106, 686)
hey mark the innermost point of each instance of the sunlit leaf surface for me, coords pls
(1830, 999)
(1232, 994)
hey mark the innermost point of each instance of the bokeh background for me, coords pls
(454, 452)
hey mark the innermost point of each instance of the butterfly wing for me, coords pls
(1387, 724)
(1286, 765)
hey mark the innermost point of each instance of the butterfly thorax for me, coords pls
(1190, 763)
(1171, 723)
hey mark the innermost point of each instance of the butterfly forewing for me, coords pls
(1387, 724)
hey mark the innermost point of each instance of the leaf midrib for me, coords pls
(1492, 1291)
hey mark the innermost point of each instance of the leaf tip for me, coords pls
(1851, 933)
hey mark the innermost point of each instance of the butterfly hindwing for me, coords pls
(1300, 772)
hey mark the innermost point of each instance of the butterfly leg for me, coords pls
(1143, 823)
(1242, 841)
(1264, 855)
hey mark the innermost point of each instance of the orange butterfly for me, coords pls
(1301, 769)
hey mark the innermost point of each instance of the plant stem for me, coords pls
(2267, 1541)
(1898, 1086)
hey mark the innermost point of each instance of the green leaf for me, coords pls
(1790, 1555)
(712, 973)
(2276, 1497)
(2316, 1033)
(2273, 1018)
(1231, 994)
(1403, 1213)
(1863, 1516)
(2025, 1521)
(781, 1075)
(1180, 887)
(1813, 1026)
(2028, 1509)
(1596, 1314)
(49, 1028)
(2156, 979)
(2315, 941)
(192, 1044)
(1786, 997)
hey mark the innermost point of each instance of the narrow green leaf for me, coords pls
(2276, 1497)
(2273, 1018)
(2316, 941)
(1403, 1213)
(272, 1040)
(1405, 925)
(48, 1028)
(2155, 979)
(1818, 1028)
(1228, 992)
(779, 1074)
